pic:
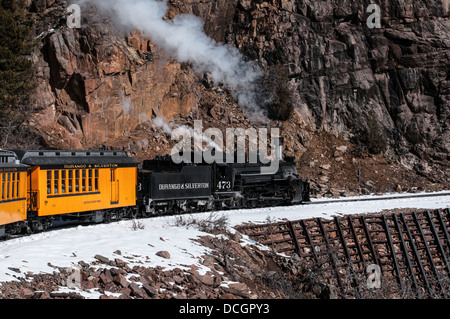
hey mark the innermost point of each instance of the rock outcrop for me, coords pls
(344, 73)
(95, 85)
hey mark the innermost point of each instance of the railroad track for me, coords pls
(412, 250)
(61, 225)
(375, 198)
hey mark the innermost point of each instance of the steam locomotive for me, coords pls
(39, 187)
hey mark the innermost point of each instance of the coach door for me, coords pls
(114, 186)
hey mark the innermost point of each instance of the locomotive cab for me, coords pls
(223, 178)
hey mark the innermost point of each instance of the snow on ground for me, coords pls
(331, 207)
(66, 247)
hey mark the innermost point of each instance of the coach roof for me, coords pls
(9, 159)
(55, 157)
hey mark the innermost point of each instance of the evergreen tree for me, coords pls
(16, 68)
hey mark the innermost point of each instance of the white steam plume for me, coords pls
(184, 38)
(168, 128)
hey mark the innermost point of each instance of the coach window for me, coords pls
(83, 182)
(5, 193)
(90, 180)
(70, 188)
(3, 186)
(222, 171)
(63, 182)
(19, 193)
(56, 182)
(16, 185)
(49, 182)
(77, 181)
(8, 179)
(13, 185)
(96, 180)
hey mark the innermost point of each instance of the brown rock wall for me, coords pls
(96, 85)
(341, 70)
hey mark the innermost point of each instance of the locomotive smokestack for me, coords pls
(280, 148)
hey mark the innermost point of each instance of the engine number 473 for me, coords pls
(223, 185)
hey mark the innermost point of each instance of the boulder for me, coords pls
(121, 280)
(163, 254)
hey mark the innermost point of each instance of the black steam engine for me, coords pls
(165, 187)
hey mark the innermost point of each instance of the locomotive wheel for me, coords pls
(37, 225)
(47, 223)
(236, 203)
(14, 229)
(253, 203)
(107, 218)
(143, 212)
(121, 214)
(181, 206)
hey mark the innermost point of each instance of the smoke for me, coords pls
(183, 130)
(184, 38)
(160, 123)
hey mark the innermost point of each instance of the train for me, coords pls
(39, 187)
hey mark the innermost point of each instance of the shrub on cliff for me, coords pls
(375, 138)
(276, 94)
(16, 68)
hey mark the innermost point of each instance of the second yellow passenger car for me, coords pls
(77, 182)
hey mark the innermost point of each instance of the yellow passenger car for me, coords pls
(68, 182)
(13, 191)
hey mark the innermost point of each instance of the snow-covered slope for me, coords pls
(66, 247)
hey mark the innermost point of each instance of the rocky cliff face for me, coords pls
(342, 71)
(98, 86)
